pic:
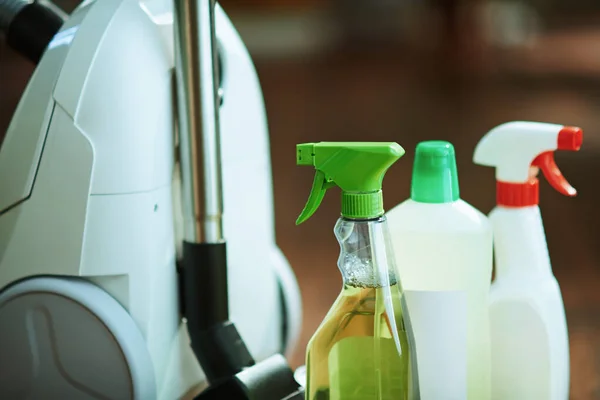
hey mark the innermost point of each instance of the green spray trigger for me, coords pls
(357, 168)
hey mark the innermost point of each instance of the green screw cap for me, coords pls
(435, 179)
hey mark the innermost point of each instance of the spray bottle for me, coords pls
(528, 329)
(363, 349)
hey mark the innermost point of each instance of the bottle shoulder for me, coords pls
(520, 231)
(458, 216)
(521, 214)
(521, 287)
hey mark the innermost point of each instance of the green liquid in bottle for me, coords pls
(357, 354)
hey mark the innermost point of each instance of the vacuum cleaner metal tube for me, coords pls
(214, 339)
(197, 80)
(226, 361)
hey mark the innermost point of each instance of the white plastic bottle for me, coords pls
(530, 346)
(443, 249)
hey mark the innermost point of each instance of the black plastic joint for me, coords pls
(271, 379)
(221, 352)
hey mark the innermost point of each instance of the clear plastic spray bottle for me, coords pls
(364, 348)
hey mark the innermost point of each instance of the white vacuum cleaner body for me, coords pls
(90, 214)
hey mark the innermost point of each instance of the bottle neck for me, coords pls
(519, 242)
(366, 257)
(360, 206)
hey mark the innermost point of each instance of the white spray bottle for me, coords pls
(530, 346)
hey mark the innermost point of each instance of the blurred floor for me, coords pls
(388, 95)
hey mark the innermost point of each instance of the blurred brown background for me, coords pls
(412, 70)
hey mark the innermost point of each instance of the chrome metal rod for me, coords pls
(198, 115)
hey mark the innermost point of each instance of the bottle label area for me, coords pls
(439, 323)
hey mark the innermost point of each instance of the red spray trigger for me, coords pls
(546, 163)
(570, 138)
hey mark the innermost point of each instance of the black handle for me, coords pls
(32, 29)
(214, 339)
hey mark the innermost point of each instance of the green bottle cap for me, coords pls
(435, 179)
(355, 167)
